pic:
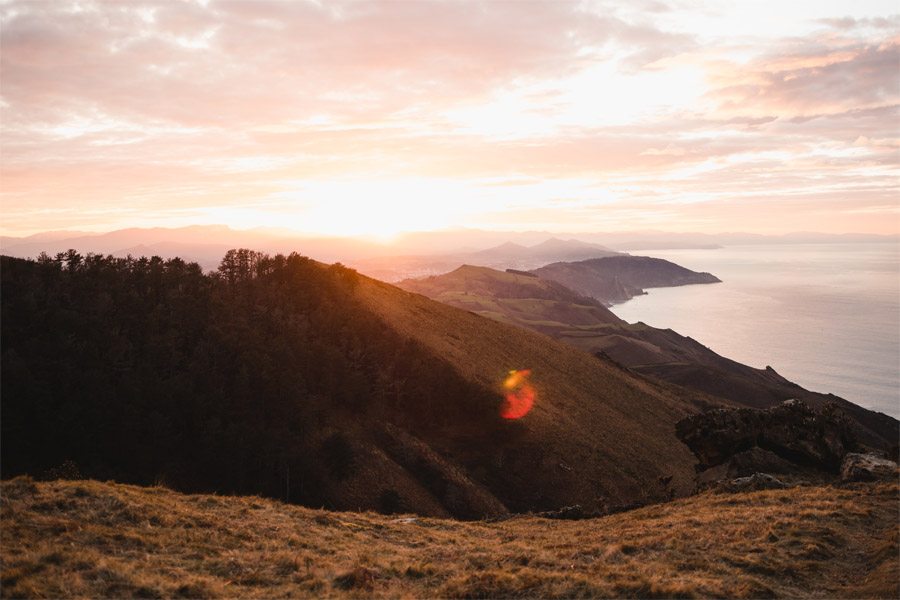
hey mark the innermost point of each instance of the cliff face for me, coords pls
(615, 279)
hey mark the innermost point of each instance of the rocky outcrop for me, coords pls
(566, 513)
(791, 431)
(749, 462)
(757, 481)
(867, 467)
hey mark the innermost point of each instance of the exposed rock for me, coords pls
(867, 467)
(758, 460)
(519, 272)
(757, 481)
(570, 513)
(791, 431)
(744, 464)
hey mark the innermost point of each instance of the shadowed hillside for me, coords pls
(615, 279)
(597, 432)
(90, 539)
(283, 377)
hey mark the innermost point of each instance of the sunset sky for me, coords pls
(374, 118)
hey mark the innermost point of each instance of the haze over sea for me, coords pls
(826, 316)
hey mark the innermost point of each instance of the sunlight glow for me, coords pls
(600, 95)
(381, 209)
(380, 118)
(519, 395)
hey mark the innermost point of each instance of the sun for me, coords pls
(378, 209)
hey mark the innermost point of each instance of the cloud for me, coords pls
(832, 81)
(166, 107)
(851, 23)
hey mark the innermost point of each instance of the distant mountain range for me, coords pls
(413, 254)
(504, 256)
(206, 245)
(553, 247)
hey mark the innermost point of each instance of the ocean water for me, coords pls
(826, 316)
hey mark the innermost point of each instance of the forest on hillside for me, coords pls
(146, 370)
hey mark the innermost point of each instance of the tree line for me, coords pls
(146, 370)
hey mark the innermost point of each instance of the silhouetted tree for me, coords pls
(144, 369)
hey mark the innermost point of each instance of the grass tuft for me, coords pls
(88, 539)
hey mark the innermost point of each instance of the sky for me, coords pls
(365, 118)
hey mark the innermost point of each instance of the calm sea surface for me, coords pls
(826, 316)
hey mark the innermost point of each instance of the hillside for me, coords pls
(280, 376)
(597, 432)
(615, 279)
(552, 309)
(513, 297)
(91, 539)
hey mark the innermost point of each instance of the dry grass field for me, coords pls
(91, 539)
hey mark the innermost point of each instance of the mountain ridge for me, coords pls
(617, 279)
(393, 398)
(658, 353)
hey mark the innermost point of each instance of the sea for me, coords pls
(826, 316)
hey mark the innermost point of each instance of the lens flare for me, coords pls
(519, 395)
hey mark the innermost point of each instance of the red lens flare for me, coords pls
(519, 395)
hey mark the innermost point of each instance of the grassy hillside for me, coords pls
(512, 297)
(90, 539)
(283, 377)
(598, 434)
(551, 309)
(268, 379)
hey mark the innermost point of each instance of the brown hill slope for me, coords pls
(552, 309)
(614, 279)
(512, 296)
(319, 386)
(597, 434)
(90, 539)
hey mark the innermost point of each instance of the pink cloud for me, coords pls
(163, 106)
